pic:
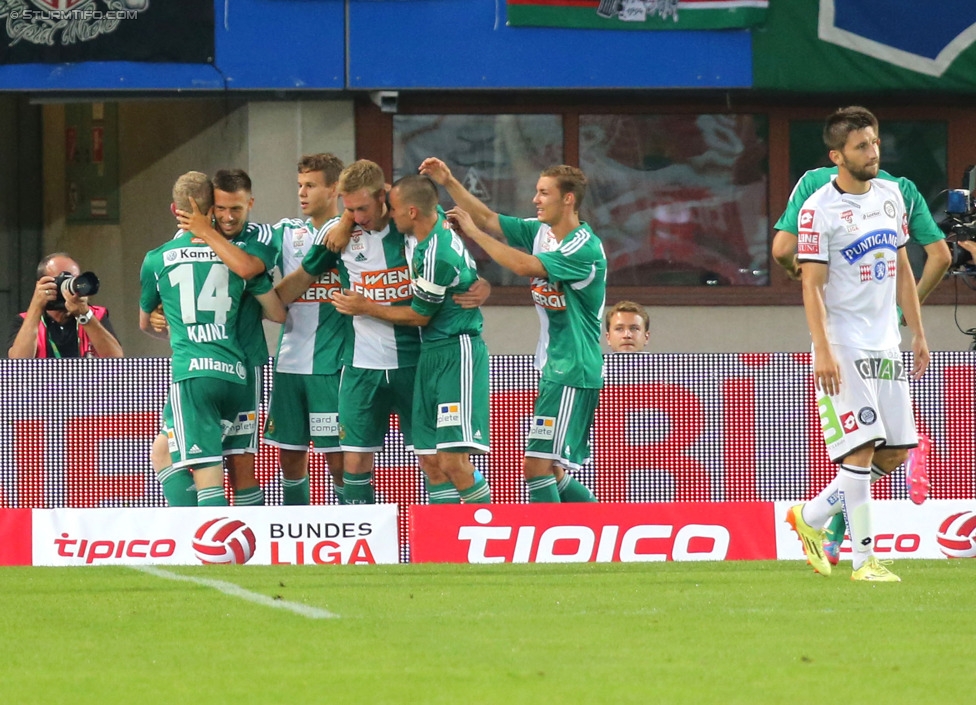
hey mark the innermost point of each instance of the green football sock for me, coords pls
(211, 497)
(358, 488)
(478, 493)
(443, 493)
(543, 489)
(340, 492)
(296, 491)
(251, 497)
(572, 490)
(836, 528)
(178, 487)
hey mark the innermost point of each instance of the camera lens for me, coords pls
(84, 284)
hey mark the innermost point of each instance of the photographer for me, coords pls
(59, 323)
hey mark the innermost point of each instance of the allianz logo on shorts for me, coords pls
(323, 424)
(208, 363)
(449, 414)
(881, 368)
(543, 428)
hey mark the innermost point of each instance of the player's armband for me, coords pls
(429, 291)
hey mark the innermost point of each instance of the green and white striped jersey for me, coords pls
(374, 263)
(569, 300)
(313, 336)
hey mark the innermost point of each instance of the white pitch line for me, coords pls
(238, 591)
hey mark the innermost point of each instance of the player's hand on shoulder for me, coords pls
(475, 296)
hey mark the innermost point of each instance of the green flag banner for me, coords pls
(637, 14)
(866, 45)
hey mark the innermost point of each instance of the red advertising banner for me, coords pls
(15, 536)
(668, 429)
(580, 533)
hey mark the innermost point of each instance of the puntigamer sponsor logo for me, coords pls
(877, 240)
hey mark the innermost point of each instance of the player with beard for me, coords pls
(855, 270)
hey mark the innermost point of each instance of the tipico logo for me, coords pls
(224, 540)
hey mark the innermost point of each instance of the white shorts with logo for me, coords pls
(874, 405)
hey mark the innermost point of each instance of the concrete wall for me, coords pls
(158, 141)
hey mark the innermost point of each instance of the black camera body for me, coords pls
(84, 284)
(959, 224)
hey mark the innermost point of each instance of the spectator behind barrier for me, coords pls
(627, 327)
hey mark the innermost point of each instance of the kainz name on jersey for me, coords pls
(881, 368)
(387, 285)
(206, 332)
(324, 289)
(543, 294)
(876, 240)
(191, 254)
(208, 363)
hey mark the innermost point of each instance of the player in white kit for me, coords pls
(851, 239)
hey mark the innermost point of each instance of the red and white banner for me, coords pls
(938, 528)
(579, 533)
(363, 535)
(495, 533)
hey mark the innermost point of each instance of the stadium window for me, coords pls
(679, 200)
(497, 157)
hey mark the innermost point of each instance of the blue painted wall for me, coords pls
(410, 44)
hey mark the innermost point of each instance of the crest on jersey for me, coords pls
(922, 37)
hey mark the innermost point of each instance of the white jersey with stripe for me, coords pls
(311, 340)
(375, 264)
(857, 236)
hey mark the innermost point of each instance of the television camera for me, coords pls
(959, 224)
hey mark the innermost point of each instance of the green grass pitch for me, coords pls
(732, 632)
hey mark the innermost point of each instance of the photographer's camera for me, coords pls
(85, 284)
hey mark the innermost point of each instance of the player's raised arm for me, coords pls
(484, 217)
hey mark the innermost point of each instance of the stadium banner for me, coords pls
(71, 31)
(637, 14)
(873, 45)
(324, 535)
(668, 428)
(937, 528)
(586, 533)
(15, 536)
